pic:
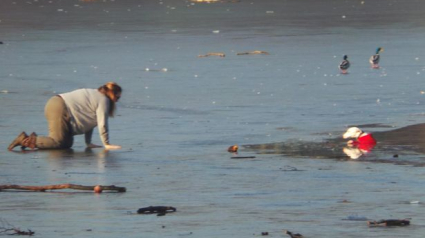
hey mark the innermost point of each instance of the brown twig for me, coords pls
(16, 231)
(255, 52)
(292, 235)
(213, 54)
(7, 229)
(61, 186)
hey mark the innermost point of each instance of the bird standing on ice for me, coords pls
(374, 59)
(345, 64)
(362, 140)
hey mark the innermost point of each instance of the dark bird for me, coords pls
(374, 59)
(345, 64)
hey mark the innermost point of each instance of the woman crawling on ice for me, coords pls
(75, 113)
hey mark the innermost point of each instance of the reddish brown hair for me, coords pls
(113, 91)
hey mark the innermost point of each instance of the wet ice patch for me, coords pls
(356, 218)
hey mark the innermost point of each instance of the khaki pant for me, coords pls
(58, 120)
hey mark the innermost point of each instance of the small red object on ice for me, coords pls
(233, 149)
(98, 189)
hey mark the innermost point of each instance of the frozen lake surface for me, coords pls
(179, 113)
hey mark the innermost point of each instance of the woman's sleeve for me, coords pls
(102, 121)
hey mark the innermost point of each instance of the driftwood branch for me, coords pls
(96, 188)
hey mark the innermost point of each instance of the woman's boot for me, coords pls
(18, 141)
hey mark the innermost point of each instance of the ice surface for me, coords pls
(175, 126)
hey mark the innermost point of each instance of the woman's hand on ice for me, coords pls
(93, 146)
(113, 147)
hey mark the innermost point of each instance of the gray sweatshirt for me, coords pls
(89, 108)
